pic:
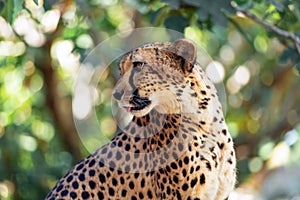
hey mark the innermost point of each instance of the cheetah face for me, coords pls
(153, 77)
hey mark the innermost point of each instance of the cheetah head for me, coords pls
(158, 76)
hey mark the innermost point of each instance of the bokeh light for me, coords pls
(215, 71)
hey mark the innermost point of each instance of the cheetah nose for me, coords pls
(118, 94)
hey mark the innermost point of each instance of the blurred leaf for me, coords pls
(2, 4)
(202, 14)
(36, 2)
(10, 9)
(244, 4)
(217, 10)
(290, 54)
(278, 4)
(194, 3)
(176, 22)
(17, 7)
(174, 4)
(298, 67)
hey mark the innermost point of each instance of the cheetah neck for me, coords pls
(164, 137)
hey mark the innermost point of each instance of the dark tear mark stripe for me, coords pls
(182, 64)
(131, 83)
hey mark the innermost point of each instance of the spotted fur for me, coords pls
(177, 145)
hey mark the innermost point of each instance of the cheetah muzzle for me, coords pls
(138, 102)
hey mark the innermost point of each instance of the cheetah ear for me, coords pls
(186, 49)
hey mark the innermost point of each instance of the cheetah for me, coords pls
(177, 145)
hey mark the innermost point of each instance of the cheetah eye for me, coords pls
(138, 64)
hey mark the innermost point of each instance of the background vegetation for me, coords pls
(254, 42)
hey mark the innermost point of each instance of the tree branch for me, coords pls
(273, 28)
(58, 105)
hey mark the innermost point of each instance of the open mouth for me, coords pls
(138, 103)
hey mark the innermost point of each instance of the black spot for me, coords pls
(175, 179)
(124, 137)
(224, 131)
(202, 122)
(141, 196)
(168, 190)
(202, 179)
(64, 193)
(133, 198)
(81, 177)
(102, 178)
(142, 183)
(111, 191)
(132, 130)
(221, 146)
(92, 172)
(118, 155)
(110, 154)
(174, 165)
(70, 178)
(127, 147)
(131, 185)
(162, 187)
(79, 167)
(184, 172)
(191, 170)
(92, 163)
(149, 194)
(101, 164)
(122, 180)
(192, 129)
(92, 184)
(161, 136)
(127, 168)
(75, 185)
(136, 175)
(127, 157)
(164, 180)
(108, 174)
(120, 144)
(215, 119)
(85, 195)
(112, 165)
(178, 195)
(100, 195)
(104, 150)
(186, 160)
(114, 182)
(185, 187)
(124, 193)
(194, 94)
(180, 146)
(208, 166)
(139, 122)
(59, 188)
(193, 182)
(145, 145)
(168, 168)
(73, 195)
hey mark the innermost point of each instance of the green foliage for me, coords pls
(38, 68)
